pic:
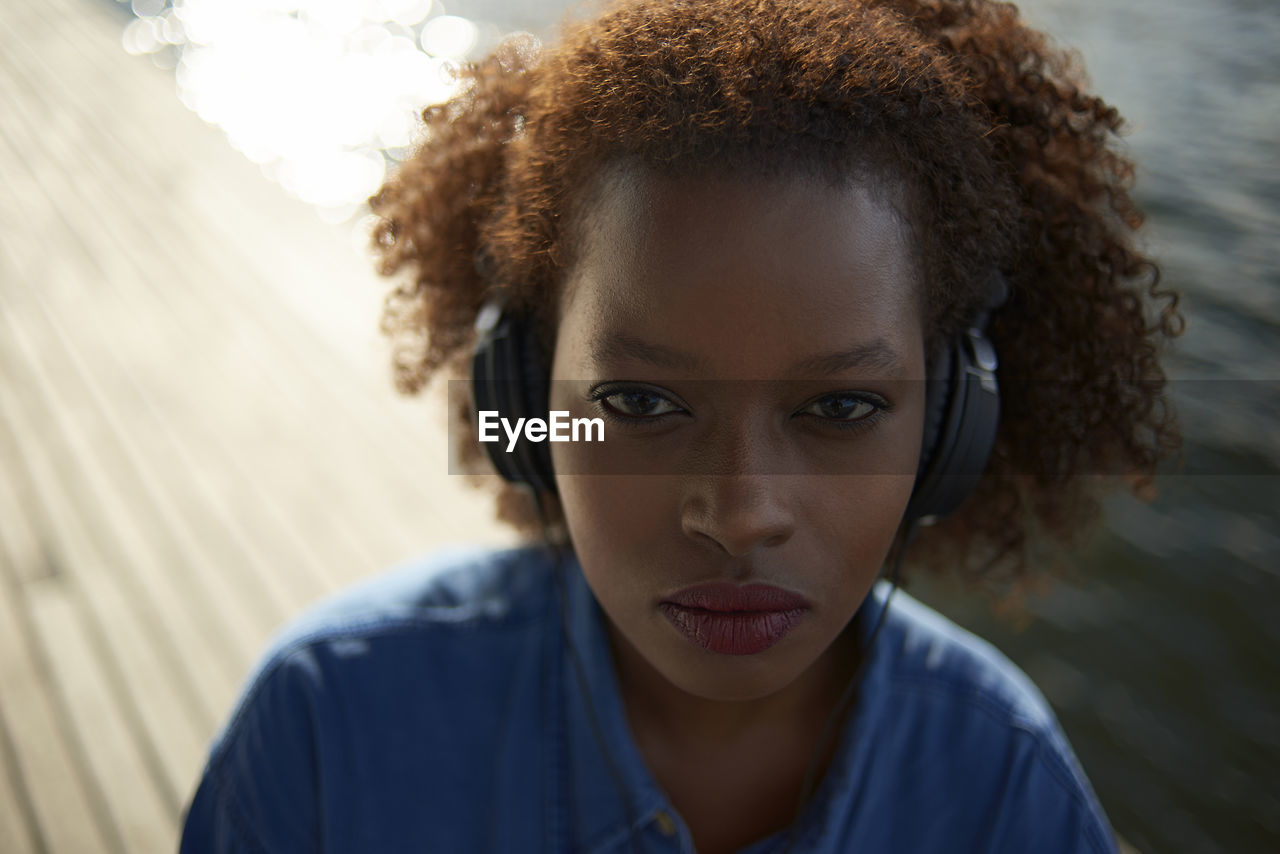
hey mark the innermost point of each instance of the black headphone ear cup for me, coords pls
(535, 391)
(508, 376)
(937, 396)
(961, 418)
(490, 386)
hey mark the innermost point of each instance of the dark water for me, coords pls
(1160, 656)
(1160, 653)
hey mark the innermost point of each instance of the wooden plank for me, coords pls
(165, 722)
(303, 554)
(151, 684)
(163, 483)
(138, 810)
(180, 617)
(215, 576)
(132, 818)
(69, 814)
(230, 460)
(19, 833)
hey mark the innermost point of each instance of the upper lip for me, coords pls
(724, 597)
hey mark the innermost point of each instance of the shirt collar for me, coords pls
(599, 815)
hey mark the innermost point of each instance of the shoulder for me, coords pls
(928, 653)
(373, 690)
(975, 741)
(458, 587)
(433, 614)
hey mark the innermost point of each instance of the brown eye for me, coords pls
(634, 402)
(640, 403)
(846, 411)
(842, 407)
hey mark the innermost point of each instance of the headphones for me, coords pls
(962, 405)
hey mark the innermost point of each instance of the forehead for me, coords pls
(716, 264)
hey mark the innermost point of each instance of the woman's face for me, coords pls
(755, 349)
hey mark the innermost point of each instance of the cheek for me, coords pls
(604, 507)
(853, 527)
(866, 507)
(857, 504)
(615, 521)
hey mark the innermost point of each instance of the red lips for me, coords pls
(734, 620)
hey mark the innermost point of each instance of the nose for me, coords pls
(737, 513)
(734, 497)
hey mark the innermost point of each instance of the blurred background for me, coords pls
(198, 434)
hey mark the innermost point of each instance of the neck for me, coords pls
(736, 771)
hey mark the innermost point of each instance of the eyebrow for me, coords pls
(876, 353)
(618, 348)
(873, 354)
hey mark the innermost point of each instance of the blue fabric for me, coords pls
(434, 708)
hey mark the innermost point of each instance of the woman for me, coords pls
(775, 248)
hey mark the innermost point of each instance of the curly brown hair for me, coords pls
(1010, 164)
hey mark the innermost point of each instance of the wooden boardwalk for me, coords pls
(197, 433)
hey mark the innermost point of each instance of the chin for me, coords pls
(731, 678)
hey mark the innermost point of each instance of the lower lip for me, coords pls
(732, 633)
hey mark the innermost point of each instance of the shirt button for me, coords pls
(666, 824)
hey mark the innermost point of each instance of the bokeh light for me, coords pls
(323, 94)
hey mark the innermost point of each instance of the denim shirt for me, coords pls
(436, 708)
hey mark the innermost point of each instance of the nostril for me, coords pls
(704, 538)
(736, 517)
(777, 540)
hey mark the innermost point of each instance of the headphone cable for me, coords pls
(851, 689)
(559, 554)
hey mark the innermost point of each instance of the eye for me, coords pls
(636, 403)
(847, 409)
(841, 407)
